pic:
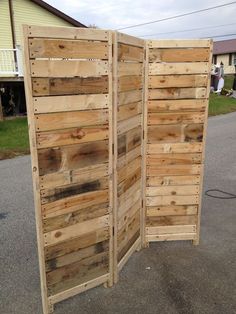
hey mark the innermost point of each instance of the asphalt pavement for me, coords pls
(167, 278)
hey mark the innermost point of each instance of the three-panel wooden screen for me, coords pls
(117, 129)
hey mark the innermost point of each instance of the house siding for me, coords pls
(228, 69)
(5, 26)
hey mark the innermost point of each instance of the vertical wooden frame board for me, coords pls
(177, 91)
(68, 83)
(128, 73)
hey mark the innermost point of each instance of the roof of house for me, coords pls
(58, 13)
(224, 46)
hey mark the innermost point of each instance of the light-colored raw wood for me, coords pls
(128, 124)
(130, 53)
(158, 170)
(173, 190)
(50, 104)
(177, 93)
(179, 43)
(171, 229)
(129, 97)
(171, 210)
(171, 237)
(173, 180)
(129, 82)
(179, 55)
(166, 81)
(174, 148)
(177, 105)
(129, 110)
(125, 69)
(174, 118)
(178, 68)
(130, 40)
(174, 159)
(171, 220)
(136, 246)
(172, 200)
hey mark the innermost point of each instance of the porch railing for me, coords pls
(11, 62)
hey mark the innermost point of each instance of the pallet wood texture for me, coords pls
(177, 96)
(117, 131)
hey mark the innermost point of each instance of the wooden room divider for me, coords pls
(117, 133)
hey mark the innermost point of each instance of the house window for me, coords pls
(230, 58)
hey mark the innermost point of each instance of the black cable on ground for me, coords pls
(230, 195)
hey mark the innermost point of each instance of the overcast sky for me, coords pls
(108, 14)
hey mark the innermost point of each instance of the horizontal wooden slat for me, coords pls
(173, 180)
(129, 141)
(128, 68)
(182, 210)
(128, 157)
(179, 55)
(67, 32)
(128, 169)
(72, 156)
(129, 110)
(171, 229)
(172, 200)
(174, 148)
(55, 48)
(172, 190)
(74, 203)
(179, 43)
(123, 219)
(177, 105)
(69, 103)
(130, 53)
(178, 68)
(135, 188)
(171, 237)
(171, 220)
(82, 176)
(158, 170)
(63, 120)
(129, 82)
(174, 118)
(167, 81)
(71, 136)
(177, 93)
(67, 86)
(133, 96)
(128, 124)
(76, 230)
(130, 40)
(174, 159)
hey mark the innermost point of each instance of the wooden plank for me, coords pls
(71, 136)
(129, 168)
(181, 210)
(135, 188)
(173, 180)
(167, 81)
(129, 141)
(177, 105)
(129, 82)
(67, 32)
(130, 40)
(174, 118)
(66, 177)
(177, 93)
(128, 124)
(125, 98)
(129, 53)
(174, 148)
(135, 247)
(63, 120)
(76, 230)
(71, 157)
(172, 190)
(128, 68)
(171, 237)
(125, 216)
(179, 43)
(171, 220)
(174, 159)
(67, 86)
(172, 200)
(128, 157)
(50, 104)
(179, 55)
(129, 110)
(68, 68)
(70, 49)
(158, 170)
(74, 203)
(171, 229)
(128, 182)
(178, 68)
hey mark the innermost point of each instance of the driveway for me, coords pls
(167, 278)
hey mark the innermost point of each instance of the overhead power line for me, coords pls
(177, 16)
(188, 30)
(218, 36)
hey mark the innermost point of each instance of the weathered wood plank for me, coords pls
(76, 230)
(130, 40)
(172, 190)
(128, 157)
(129, 141)
(158, 170)
(171, 237)
(70, 103)
(129, 53)
(128, 169)
(177, 105)
(63, 120)
(179, 55)
(173, 180)
(70, 49)
(71, 136)
(124, 185)
(133, 189)
(171, 220)
(171, 229)
(178, 68)
(174, 148)
(177, 93)
(128, 68)
(129, 110)
(81, 176)
(71, 157)
(174, 118)
(132, 96)
(68, 68)
(124, 217)
(67, 86)
(172, 200)
(179, 43)
(167, 81)
(129, 124)
(129, 82)
(174, 159)
(71, 204)
(181, 210)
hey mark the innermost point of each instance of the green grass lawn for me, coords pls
(14, 138)
(221, 105)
